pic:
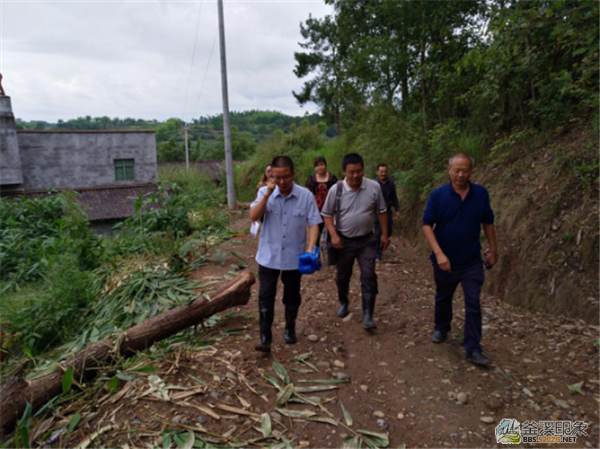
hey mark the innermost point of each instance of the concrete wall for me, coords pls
(10, 161)
(73, 159)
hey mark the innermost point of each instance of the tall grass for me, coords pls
(46, 313)
(35, 232)
(192, 181)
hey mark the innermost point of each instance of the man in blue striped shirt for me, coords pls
(286, 209)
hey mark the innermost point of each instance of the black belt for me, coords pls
(355, 238)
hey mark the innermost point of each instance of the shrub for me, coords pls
(165, 217)
(34, 232)
(49, 312)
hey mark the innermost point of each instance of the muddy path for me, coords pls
(396, 381)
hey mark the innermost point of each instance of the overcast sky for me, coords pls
(132, 58)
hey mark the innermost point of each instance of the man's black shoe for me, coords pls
(266, 315)
(344, 303)
(263, 346)
(290, 325)
(368, 304)
(477, 358)
(343, 310)
(439, 337)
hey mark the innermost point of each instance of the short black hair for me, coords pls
(318, 160)
(282, 162)
(352, 158)
(381, 165)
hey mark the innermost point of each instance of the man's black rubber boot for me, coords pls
(290, 325)
(439, 337)
(368, 305)
(477, 358)
(344, 303)
(266, 336)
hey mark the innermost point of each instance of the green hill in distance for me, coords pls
(205, 134)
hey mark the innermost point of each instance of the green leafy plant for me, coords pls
(34, 233)
(576, 388)
(23, 428)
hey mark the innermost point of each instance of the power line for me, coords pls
(205, 72)
(192, 63)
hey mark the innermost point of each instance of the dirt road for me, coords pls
(395, 380)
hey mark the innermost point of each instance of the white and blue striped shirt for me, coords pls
(283, 235)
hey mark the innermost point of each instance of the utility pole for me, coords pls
(226, 123)
(187, 152)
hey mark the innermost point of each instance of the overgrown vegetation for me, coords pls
(62, 285)
(411, 83)
(35, 233)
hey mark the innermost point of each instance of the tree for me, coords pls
(172, 128)
(330, 88)
(171, 151)
(377, 36)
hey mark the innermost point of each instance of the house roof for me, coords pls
(106, 203)
(112, 203)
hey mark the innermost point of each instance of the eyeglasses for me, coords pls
(282, 178)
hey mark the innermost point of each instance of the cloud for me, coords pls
(132, 58)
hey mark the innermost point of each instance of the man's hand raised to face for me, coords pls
(271, 184)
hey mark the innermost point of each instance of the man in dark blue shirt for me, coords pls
(452, 226)
(388, 188)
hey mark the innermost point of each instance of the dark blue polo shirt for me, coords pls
(457, 223)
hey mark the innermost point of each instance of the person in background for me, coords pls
(264, 179)
(319, 184)
(286, 210)
(353, 235)
(452, 224)
(388, 188)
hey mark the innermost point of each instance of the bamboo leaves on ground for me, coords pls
(325, 381)
(324, 419)
(272, 380)
(352, 442)
(266, 425)
(285, 394)
(281, 372)
(303, 414)
(315, 388)
(378, 438)
(347, 416)
(303, 358)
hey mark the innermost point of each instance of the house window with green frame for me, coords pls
(124, 169)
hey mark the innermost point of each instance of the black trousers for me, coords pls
(471, 279)
(361, 249)
(268, 287)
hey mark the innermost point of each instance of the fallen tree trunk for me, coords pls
(16, 392)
